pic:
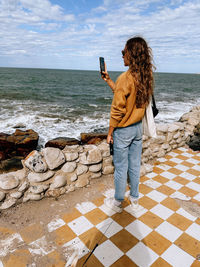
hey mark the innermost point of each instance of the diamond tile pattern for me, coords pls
(161, 233)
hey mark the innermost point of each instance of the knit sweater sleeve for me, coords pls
(118, 108)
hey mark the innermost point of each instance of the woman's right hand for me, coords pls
(104, 74)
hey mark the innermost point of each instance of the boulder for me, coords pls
(70, 156)
(16, 195)
(35, 162)
(83, 180)
(92, 156)
(37, 189)
(2, 195)
(59, 181)
(95, 167)
(8, 181)
(61, 142)
(194, 141)
(11, 164)
(92, 138)
(81, 169)
(8, 203)
(69, 167)
(54, 157)
(39, 177)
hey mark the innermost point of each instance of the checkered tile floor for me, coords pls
(161, 233)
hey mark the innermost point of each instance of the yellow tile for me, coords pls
(68, 217)
(196, 157)
(194, 172)
(144, 189)
(198, 221)
(99, 201)
(54, 259)
(161, 263)
(124, 261)
(32, 232)
(179, 221)
(177, 151)
(147, 202)
(157, 170)
(18, 258)
(156, 242)
(170, 163)
(96, 216)
(123, 218)
(92, 261)
(181, 180)
(160, 179)
(187, 164)
(165, 190)
(63, 235)
(168, 157)
(182, 157)
(195, 264)
(188, 191)
(151, 219)
(143, 179)
(124, 240)
(175, 171)
(170, 203)
(189, 244)
(197, 180)
(91, 237)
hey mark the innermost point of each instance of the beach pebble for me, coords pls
(69, 167)
(8, 181)
(91, 156)
(2, 195)
(108, 169)
(81, 169)
(95, 175)
(16, 195)
(71, 156)
(23, 186)
(35, 162)
(59, 181)
(39, 177)
(8, 203)
(83, 180)
(54, 157)
(37, 189)
(95, 167)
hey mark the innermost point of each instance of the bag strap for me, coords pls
(154, 102)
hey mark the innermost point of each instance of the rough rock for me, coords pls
(81, 169)
(69, 167)
(83, 180)
(31, 196)
(16, 195)
(2, 195)
(59, 181)
(23, 187)
(8, 203)
(92, 138)
(92, 156)
(37, 189)
(194, 143)
(163, 128)
(54, 157)
(105, 149)
(39, 177)
(61, 142)
(95, 175)
(55, 192)
(108, 169)
(12, 164)
(173, 128)
(73, 177)
(35, 162)
(71, 156)
(8, 181)
(95, 167)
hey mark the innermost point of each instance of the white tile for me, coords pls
(168, 175)
(173, 154)
(187, 215)
(142, 255)
(10, 244)
(188, 155)
(180, 195)
(197, 197)
(1, 264)
(187, 176)
(109, 227)
(194, 231)
(164, 167)
(107, 253)
(41, 247)
(55, 224)
(196, 167)
(80, 225)
(138, 229)
(174, 185)
(169, 231)
(161, 160)
(176, 160)
(151, 175)
(109, 193)
(194, 186)
(162, 211)
(85, 207)
(177, 257)
(107, 210)
(182, 167)
(127, 194)
(193, 161)
(75, 245)
(153, 184)
(157, 196)
(140, 211)
(182, 149)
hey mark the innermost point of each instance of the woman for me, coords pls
(132, 92)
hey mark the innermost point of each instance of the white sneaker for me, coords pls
(111, 203)
(134, 204)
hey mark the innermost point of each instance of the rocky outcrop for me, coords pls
(194, 141)
(62, 142)
(52, 172)
(92, 138)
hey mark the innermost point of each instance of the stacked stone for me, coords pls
(53, 172)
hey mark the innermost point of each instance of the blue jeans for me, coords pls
(127, 159)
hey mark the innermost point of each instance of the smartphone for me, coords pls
(102, 64)
(111, 149)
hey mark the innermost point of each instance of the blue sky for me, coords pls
(72, 34)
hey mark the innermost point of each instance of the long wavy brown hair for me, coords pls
(140, 64)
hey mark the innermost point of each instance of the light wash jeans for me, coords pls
(127, 159)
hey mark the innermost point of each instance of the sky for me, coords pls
(72, 34)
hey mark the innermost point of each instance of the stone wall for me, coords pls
(53, 172)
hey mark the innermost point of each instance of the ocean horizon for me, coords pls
(64, 103)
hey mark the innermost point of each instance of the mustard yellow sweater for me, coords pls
(123, 110)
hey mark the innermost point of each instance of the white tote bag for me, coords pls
(149, 126)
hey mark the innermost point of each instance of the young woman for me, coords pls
(132, 92)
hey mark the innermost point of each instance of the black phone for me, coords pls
(111, 149)
(102, 64)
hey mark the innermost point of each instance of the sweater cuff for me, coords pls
(113, 122)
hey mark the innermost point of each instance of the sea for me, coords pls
(64, 103)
